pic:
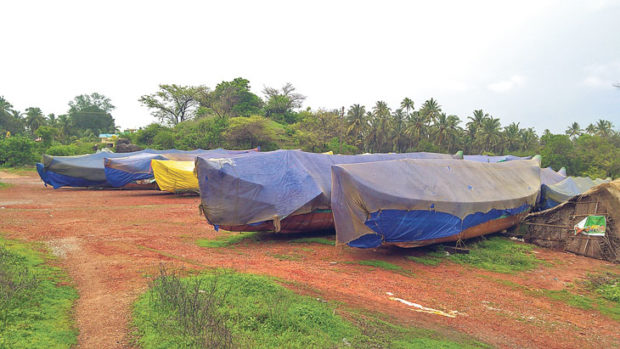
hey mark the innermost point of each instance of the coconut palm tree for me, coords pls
(380, 127)
(407, 105)
(591, 129)
(529, 138)
(430, 109)
(574, 131)
(604, 128)
(416, 128)
(512, 136)
(34, 118)
(489, 134)
(398, 123)
(357, 124)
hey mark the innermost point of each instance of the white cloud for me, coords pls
(507, 85)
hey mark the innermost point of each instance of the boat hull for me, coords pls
(301, 223)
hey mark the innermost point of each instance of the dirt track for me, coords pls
(109, 241)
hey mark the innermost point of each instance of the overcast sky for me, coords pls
(544, 64)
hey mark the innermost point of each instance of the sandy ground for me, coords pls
(110, 241)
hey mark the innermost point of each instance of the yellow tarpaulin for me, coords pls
(175, 176)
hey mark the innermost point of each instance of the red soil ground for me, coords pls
(109, 241)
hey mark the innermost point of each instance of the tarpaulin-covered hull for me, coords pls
(314, 221)
(272, 186)
(175, 176)
(424, 201)
(120, 171)
(77, 171)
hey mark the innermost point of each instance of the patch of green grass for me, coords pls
(18, 170)
(606, 285)
(251, 311)
(286, 257)
(4, 185)
(384, 265)
(498, 254)
(35, 300)
(610, 309)
(227, 240)
(314, 240)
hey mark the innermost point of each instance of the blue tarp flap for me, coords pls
(273, 185)
(122, 171)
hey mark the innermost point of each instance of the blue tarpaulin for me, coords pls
(271, 186)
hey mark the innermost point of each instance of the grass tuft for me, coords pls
(255, 311)
(498, 254)
(227, 240)
(35, 302)
(315, 240)
(4, 185)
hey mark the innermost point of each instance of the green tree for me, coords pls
(512, 137)
(90, 114)
(357, 127)
(407, 106)
(232, 98)
(489, 135)
(379, 136)
(574, 130)
(558, 152)
(47, 134)
(251, 132)
(604, 128)
(174, 104)
(10, 121)
(430, 110)
(281, 103)
(34, 119)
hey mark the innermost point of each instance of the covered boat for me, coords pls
(120, 171)
(77, 171)
(414, 202)
(554, 194)
(175, 176)
(281, 191)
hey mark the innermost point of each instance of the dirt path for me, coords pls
(111, 240)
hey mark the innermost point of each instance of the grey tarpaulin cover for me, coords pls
(410, 199)
(554, 194)
(259, 187)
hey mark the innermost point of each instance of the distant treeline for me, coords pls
(233, 117)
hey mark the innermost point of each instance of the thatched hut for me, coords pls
(554, 228)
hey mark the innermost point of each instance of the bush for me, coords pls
(77, 148)
(17, 151)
